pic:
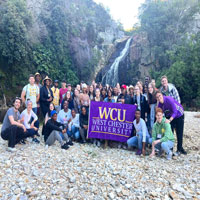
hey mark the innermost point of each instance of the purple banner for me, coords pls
(111, 121)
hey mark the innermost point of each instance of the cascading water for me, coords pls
(111, 76)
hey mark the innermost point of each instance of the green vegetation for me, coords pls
(175, 42)
(42, 42)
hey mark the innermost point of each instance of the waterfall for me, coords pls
(111, 76)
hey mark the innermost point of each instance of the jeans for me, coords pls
(83, 133)
(152, 115)
(31, 132)
(74, 132)
(57, 109)
(136, 141)
(35, 110)
(165, 146)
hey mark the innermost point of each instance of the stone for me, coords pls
(17, 191)
(125, 192)
(173, 195)
(111, 195)
(28, 191)
(72, 180)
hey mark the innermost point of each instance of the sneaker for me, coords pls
(182, 151)
(177, 153)
(11, 149)
(22, 142)
(37, 134)
(70, 143)
(36, 140)
(94, 143)
(169, 156)
(65, 146)
(98, 143)
(138, 153)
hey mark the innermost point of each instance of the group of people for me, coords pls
(65, 112)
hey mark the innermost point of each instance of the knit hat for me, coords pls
(53, 112)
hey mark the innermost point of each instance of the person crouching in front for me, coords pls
(142, 136)
(162, 136)
(52, 132)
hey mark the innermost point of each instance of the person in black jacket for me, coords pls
(83, 123)
(124, 98)
(46, 95)
(52, 132)
(140, 101)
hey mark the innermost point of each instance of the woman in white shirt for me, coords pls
(29, 118)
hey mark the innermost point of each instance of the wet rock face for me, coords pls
(87, 172)
(138, 62)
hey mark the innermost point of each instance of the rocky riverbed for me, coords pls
(87, 172)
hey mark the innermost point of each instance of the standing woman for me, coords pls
(46, 95)
(152, 103)
(140, 101)
(110, 97)
(68, 97)
(103, 93)
(97, 142)
(174, 113)
(77, 104)
(91, 92)
(84, 97)
(140, 85)
(97, 95)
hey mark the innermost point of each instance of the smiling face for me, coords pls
(76, 92)
(32, 80)
(97, 93)
(17, 104)
(65, 105)
(29, 106)
(69, 88)
(63, 84)
(159, 117)
(48, 82)
(68, 94)
(54, 117)
(164, 82)
(73, 113)
(137, 90)
(150, 88)
(160, 98)
(83, 110)
(137, 115)
(51, 107)
(91, 89)
(109, 93)
(38, 78)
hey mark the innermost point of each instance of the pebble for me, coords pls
(87, 172)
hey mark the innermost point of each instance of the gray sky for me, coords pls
(125, 11)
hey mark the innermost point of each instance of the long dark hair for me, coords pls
(151, 97)
(65, 97)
